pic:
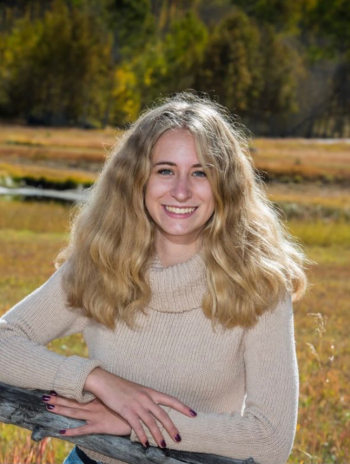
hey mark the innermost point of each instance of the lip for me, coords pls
(181, 207)
(179, 216)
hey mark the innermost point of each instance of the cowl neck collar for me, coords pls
(179, 287)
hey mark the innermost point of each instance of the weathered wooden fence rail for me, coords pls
(25, 409)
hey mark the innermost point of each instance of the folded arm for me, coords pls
(266, 429)
(25, 331)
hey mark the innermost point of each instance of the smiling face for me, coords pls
(178, 196)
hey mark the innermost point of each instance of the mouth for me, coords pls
(176, 211)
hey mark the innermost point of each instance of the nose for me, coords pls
(181, 189)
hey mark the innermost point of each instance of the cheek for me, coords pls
(156, 188)
(208, 197)
(152, 194)
(148, 196)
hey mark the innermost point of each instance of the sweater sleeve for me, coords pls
(27, 328)
(265, 431)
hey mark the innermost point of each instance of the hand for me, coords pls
(133, 402)
(99, 418)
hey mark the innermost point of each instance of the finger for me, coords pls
(82, 430)
(61, 401)
(79, 414)
(135, 424)
(168, 400)
(168, 424)
(150, 422)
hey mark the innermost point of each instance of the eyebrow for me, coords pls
(169, 163)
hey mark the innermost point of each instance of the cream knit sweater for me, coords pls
(242, 383)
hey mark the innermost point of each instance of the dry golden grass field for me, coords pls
(46, 151)
(316, 212)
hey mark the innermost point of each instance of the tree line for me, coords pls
(282, 65)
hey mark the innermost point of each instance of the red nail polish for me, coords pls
(50, 406)
(163, 444)
(52, 392)
(147, 444)
(62, 432)
(177, 437)
(193, 413)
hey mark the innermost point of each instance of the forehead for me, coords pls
(178, 144)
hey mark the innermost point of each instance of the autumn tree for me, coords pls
(231, 65)
(54, 67)
(170, 62)
(251, 70)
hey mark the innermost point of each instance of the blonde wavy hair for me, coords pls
(251, 259)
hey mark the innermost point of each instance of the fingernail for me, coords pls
(177, 437)
(50, 406)
(46, 398)
(52, 392)
(147, 444)
(62, 432)
(193, 413)
(163, 444)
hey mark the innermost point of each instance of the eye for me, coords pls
(165, 172)
(199, 174)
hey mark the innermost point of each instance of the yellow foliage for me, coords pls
(125, 93)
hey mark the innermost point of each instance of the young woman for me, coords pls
(181, 277)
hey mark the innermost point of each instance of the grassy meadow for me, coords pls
(315, 208)
(59, 155)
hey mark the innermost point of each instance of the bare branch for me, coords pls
(25, 409)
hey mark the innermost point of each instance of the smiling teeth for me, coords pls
(171, 209)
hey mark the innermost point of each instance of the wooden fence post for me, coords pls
(25, 409)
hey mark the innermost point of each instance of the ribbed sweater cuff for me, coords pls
(71, 377)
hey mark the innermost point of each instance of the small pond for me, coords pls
(38, 193)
